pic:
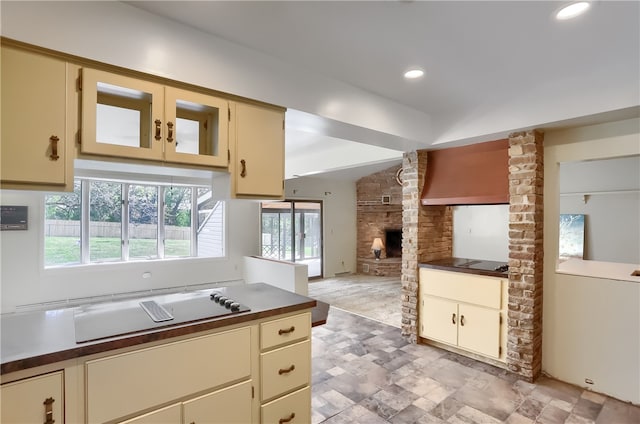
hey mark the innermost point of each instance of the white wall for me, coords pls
(339, 219)
(24, 280)
(611, 206)
(481, 232)
(591, 326)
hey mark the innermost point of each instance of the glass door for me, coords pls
(292, 231)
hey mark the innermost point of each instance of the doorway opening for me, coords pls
(292, 231)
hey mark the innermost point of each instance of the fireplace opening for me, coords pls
(393, 243)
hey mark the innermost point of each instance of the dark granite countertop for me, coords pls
(469, 266)
(31, 339)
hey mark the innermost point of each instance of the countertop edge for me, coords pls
(465, 270)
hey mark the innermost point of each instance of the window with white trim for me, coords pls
(108, 220)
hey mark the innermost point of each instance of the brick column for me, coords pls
(412, 174)
(427, 234)
(526, 174)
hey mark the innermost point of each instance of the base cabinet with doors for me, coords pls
(256, 372)
(467, 311)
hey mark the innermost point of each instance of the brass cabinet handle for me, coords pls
(48, 410)
(243, 173)
(286, 330)
(453, 319)
(462, 320)
(287, 370)
(54, 147)
(158, 123)
(286, 420)
(170, 135)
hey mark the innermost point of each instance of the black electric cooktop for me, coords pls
(104, 320)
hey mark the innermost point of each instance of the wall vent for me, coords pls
(386, 199)
(365, 267)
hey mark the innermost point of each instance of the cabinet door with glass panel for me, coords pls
(132, 118)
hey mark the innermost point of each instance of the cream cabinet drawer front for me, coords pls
(294, 408)
(285, 369)
(285, 330)
(24, 401)
(468, 288)
(231, 405)
(124, 384)
(169, 415)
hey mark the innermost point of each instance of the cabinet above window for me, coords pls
(133, 118)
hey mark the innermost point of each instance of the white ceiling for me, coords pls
(491, 67)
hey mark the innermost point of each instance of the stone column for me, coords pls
(411, 177)
(427, 234)
(526, 174)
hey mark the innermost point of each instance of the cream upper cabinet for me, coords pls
(35, 400)
(197, 128)
(133, 118)
(258, 156)
(34, 135)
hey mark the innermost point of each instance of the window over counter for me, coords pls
(106, 220)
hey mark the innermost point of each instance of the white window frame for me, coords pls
(85, 254)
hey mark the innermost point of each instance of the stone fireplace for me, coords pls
(427, 235)
(379, 215)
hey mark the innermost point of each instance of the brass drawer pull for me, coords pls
(170, 135)
(287, 330)
(243, 172)
(54, 147)
(286, 371)
(48, 410)
(286, 420)
(157, 122)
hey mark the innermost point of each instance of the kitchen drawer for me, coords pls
(285, 330)
(170, 415)
(231, 405)
(295, 406)
(285, 369)
(124, 384)
(23, 401)
(469, 288)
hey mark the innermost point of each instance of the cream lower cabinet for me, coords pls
(255, 372)
(121, 385)
(37, 399)
(463, 310)
(285, 370)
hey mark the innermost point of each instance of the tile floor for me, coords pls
(364, 371)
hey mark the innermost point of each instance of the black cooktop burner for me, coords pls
(112, 319)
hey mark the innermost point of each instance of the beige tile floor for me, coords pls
(364, 371)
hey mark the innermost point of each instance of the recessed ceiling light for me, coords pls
(572, 10)
(414, 73)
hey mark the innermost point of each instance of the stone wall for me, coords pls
(427, 235)
(526, 176)
(374, 216)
